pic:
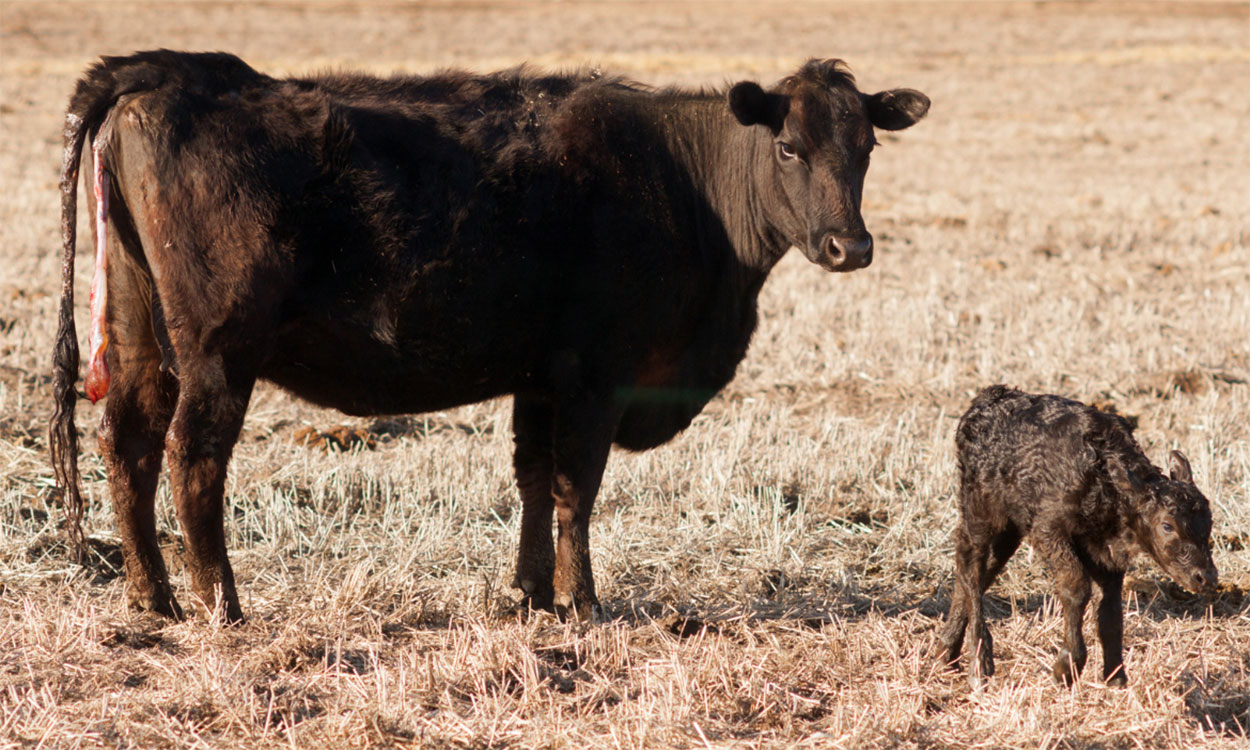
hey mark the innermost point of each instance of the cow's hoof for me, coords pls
(579, 609)
(536, 603)
(1117, 678)
(535, 596)
(158, 599)
(226, 611)
(231, 613)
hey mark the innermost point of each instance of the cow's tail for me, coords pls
(94, 96)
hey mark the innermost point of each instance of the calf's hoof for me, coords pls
(1117, 678)
(980, 655)
(1065, 671)
(948, 661)
(948, 653)
(986, 665)
(980, 668)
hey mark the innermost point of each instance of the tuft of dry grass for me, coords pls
(1071, 217)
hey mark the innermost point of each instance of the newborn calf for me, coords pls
(1074, 481)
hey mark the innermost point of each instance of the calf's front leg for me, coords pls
(1111, 627)
(1072, 588)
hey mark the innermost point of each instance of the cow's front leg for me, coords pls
(534, 466)
(583, 438)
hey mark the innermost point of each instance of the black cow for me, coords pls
(591, 246)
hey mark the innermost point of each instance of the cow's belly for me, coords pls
(357, 373)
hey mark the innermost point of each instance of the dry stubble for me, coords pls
(1070, 218)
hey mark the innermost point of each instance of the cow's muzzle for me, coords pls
(846, 253)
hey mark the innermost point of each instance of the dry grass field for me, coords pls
(1072, 217)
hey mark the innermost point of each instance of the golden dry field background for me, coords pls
(1073, 216)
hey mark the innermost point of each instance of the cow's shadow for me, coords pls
(1154, 599)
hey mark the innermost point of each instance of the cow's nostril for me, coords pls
(834, 250)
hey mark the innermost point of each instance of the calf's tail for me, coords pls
(94, 96)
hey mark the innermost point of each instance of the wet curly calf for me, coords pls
(1073, 481)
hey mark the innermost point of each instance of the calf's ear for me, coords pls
(1125, 481)
(1178, 465)
(752, 105)
(896, 109)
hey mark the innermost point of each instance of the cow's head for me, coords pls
(822, 134)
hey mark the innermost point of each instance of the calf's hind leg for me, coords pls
(1001, 547)
(980, 643)
(952, 638)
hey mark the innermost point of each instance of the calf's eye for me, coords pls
(1167, 527)
(786, 150)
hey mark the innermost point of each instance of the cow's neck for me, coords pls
(723, 160)
(729, 165)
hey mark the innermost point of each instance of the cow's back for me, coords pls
(422, 242)
(355, 215)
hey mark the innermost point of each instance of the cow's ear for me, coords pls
(896, 109)
(1178, 466)
(752, 105)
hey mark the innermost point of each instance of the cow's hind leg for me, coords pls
(534, 465)
(212, 399)
(132, 436)
(132, 432)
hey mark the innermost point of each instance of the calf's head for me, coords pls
(821, 128)
(1174, 523)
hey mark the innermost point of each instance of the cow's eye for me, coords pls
(786, 150)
